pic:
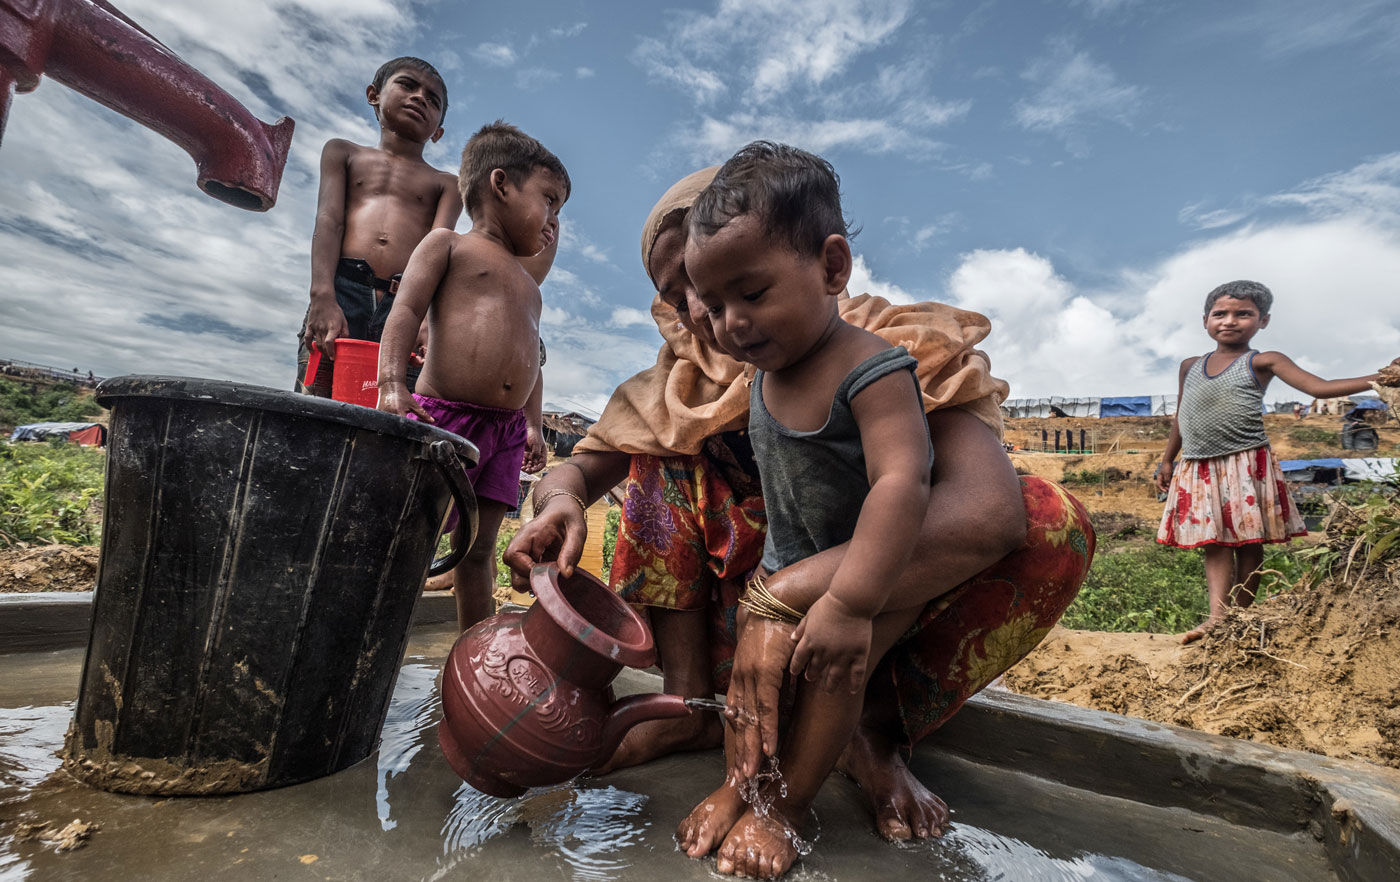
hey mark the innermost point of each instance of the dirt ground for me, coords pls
(1314, 668)
(48, 568)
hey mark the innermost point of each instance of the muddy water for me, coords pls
(403, 815)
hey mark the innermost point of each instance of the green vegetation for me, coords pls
(22, 403)
(610, 541)
(1138, 586)
(1314, 435)
(50, 493)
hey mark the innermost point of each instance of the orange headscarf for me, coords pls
(691, 392)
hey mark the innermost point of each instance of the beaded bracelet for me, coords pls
(559, 491)
(758, 600)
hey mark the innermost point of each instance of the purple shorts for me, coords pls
(499, 435)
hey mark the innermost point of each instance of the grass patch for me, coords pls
(1143, 586)
(1314, 435)
(50, 493)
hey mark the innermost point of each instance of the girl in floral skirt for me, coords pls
(1228, 498)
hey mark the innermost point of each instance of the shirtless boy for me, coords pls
(375, 205)
(482, 376)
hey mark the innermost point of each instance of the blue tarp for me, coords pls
(1136, 405)
(1298, 465)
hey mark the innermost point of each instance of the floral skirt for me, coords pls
(1236, 499)
(687, 540)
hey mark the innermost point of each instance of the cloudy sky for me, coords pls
(1083, 171)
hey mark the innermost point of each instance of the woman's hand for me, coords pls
(556, 533)
(760, 661)
(833, 645)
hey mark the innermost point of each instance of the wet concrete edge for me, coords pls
(62, 620)
(1353, 807)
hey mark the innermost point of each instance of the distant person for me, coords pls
(375, 205)
(1229, 498)
(482, 377)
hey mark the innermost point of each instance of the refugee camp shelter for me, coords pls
(90, 434)
(563, 429)
(1059, 406)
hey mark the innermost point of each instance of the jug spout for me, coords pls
(635, 709)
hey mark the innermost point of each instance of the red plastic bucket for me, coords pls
(355, 376)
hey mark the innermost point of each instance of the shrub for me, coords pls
(50, 494)
(22, 403)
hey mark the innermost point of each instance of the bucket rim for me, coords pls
(230, 393)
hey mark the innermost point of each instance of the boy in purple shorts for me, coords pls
(481, 378)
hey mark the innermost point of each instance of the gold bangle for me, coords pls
(559, 491)
(758, 600)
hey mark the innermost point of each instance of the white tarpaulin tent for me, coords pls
(1371, 468)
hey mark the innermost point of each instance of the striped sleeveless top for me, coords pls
(1221, 414)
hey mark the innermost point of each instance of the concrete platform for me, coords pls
(1041, 791)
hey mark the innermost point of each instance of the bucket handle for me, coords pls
(313, 364)
(464, 534)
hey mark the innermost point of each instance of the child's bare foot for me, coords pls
(438, 583)
(656, 738)
(1198, 632)
(904, 808)
(710, 821)
(758, 847)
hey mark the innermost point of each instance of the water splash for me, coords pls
(727, 713)
(413, 711)
(589, 830)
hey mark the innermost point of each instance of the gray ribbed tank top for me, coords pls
(1221, 414)
(814, 483)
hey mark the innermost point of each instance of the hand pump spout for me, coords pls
(93, 48)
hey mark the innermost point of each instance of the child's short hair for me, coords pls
(389, 68)
(796, 195)
(1243, 289)
(502, 145)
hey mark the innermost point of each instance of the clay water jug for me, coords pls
(526, 696)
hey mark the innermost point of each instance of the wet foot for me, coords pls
(758, 847)
(710, 821)
(903, 807)
(657, 738)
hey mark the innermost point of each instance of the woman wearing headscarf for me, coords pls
(1005, 555)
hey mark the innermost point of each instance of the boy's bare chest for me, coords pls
(370, 176)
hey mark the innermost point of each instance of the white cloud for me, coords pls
(659, 62)
(572, 30)
(494, 54)
(1096, 8)
(1335, 311)
(1200, 217)
(584, 73)
(863, 281)
(777, 44)
(1074, 92)
(1287, 27)
(713, 140)
(533, 78)
(631, 317)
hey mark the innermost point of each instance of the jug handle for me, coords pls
(464, 534)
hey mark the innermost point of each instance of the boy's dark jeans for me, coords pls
(366, 300)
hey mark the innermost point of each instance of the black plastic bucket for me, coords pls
(262, 552)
